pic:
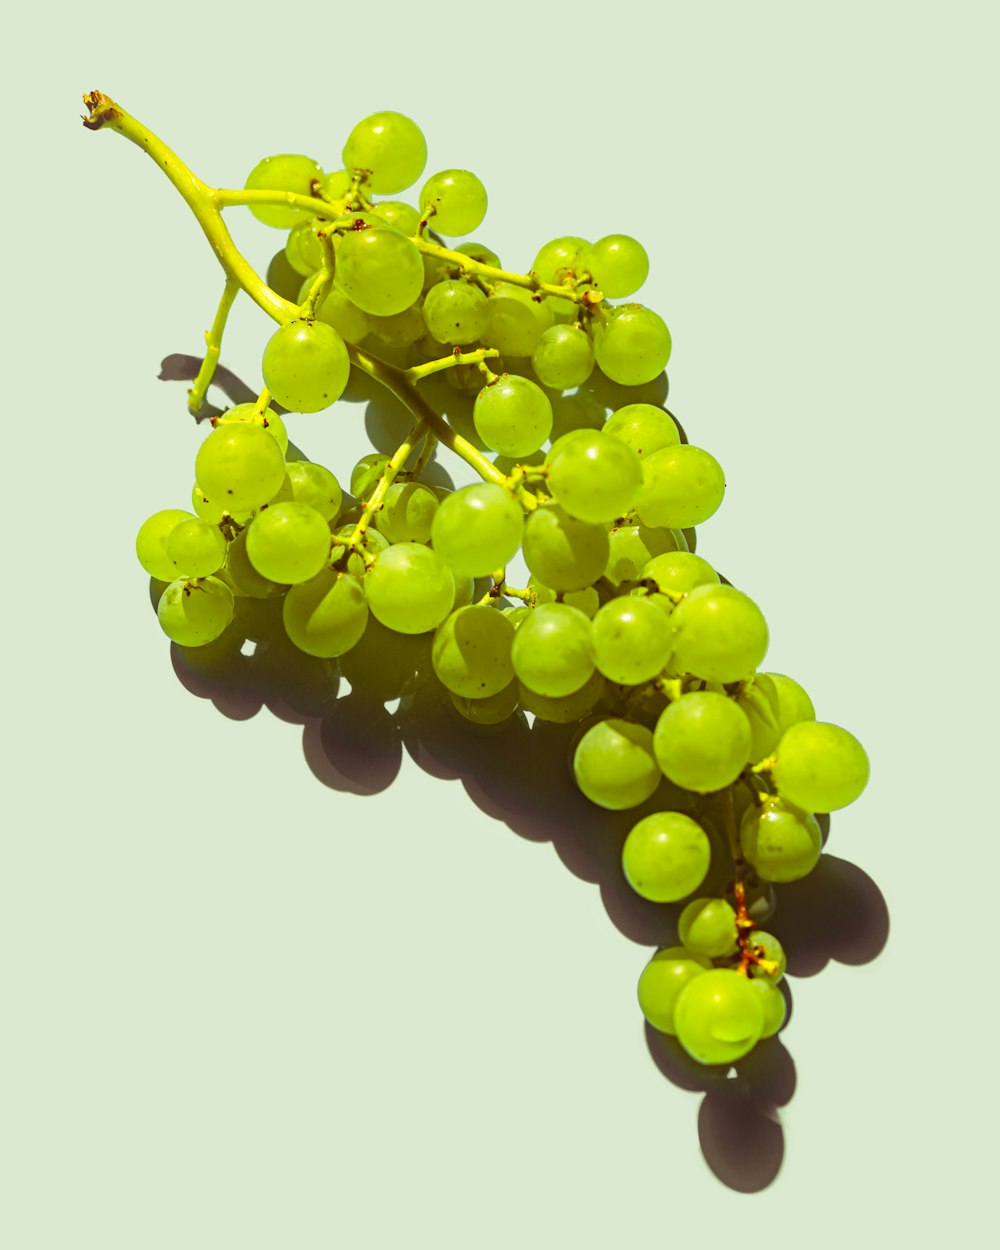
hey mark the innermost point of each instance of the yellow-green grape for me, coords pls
(563, 552)
(819, 767)
(402, 329)
(567, 709)
(631, 547)
(517, 320)
(587, 600)
(315, 485)
(471, 652)
(247, 414)
(707, 926)
(372, 541)
(288, 542)
(195, 548)
(410, 589)
(338, 312)
(563, 357)
(336, 185)
(793, 703)
(702, 741)
(512, 415)
(758, 699)
(719, 634)
(326, 615)
(516, 613)
(631, 640)
(303, 249)
(681, 486)
(193, 612)
(679, 572)
(781, 842)
(306, 366)
(477, 529)
(662, 980)
(773, 1002)
(457, 201)
(552, 653)
(297, 174)
(619, 265)
(402, 217)
(479, 252)
(493, 710)
(213, 513)
(366, 474)
(766, 946)
(456, 312)
(407, 512)
(240, 466)
(666, 856)
(282, 278)
(562, 259)
(592, 476)
(614, 764)
(465, 591)
(632, 345)
(243, 577)
(151, 542)
(643, 427)
(379, 270)
(719, 1017)
(391, 147)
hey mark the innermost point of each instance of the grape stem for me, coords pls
(457, 357)
(213, 345)
(469, 265)
(375, 501)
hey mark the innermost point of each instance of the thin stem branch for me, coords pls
(213, 345)
(418, 372)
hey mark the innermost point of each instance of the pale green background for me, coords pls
(242, 1009)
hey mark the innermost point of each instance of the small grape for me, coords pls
(151, 542)
(379, 270)
(283, 173)
(619, 265)
(407, 513)
(195, 548)
(471, 652)
(456, 312)
(316, 486)
(681, 487)
(643, 427)
(662, 980)
(819, 767)
(193, 612)
(702, 741)
(409, 588)
(614, 764)
(517, 320)
(391, 146)
(288, 542)
(306, 366)
(477, 529)
(592, 476)
(780, 842)
(513, 415)
(246, 414)
(666, 856)
(457, 200)
(719, 1016)
(719, 634)
(563, 357)
(774, 1005)
(562, 259)
(633, 345)
(552, 652)
(241, 465)
(325, 615)
(631, 640)
(707, 926)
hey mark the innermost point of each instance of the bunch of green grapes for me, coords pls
(622, 628)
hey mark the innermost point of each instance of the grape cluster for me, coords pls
(621, 629)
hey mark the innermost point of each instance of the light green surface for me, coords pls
(243, 1008)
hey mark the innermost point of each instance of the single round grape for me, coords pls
(456, 312)
(719, 1017)
(819, 767)
(563, 552)
(631, 547)
(193, 612)
(619, 265)
(477, 529)
(214, 513)
(240, 465)
(793, 703)
(402, 217)
(493, 710)
(304, 249)
(326, 615)
(407, 512)
(195, 548)
(402, 329)
(614, 764)
(702, 741)
(633, 345)
(366, 473)
(379, 270)
(719, 634)
(246, 414)
(338, 312)
(335, 185)
(594, 477)
(758, 699)
(563, 357)
(631, 640)
(562, 259)
(773, 1002)
(391, 146)
(666, 856)
(288, 542)
(283, 173)
(243, 577)
(513, 415)
(151, 542)
(410, 589)
(662, 980)
(766, 946)
(643, 427)
(517, 320)
(679, 572)
(551, 652)
(306, 366)
(457, 200)
(471, 652)
(316, 486)
(681, 487)
(707, 926)
(780, 842)
(567, 709)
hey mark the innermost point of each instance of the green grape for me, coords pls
(366, 473)
(559, 260)
(336, 185)
(456, 312)
(410, 589)
(306, 366)
(512, 415)
(587, 600)
(241, 465)
(632, 345)
(614, 764)
(151, 542)
(780, 842)
(477, 529)
(679, 572)
(631, 641)
(517, 320)
(592, 476)
(402, 217)
(195, 548)
(707, 926)
(457, 200)
(213, 513)
(303, 249)
(193, 612)
(316, 486)
(407, 513)
(372, 541)
(681, 487)
(758, 699)
(643, 427)
(666, 856)
(619, 265)
(567, 709)
(493, 710)
(325, 615)
(282, 278)
(478, 251)
(631, 547)
(391, 146)
(402, 329)
(471, 652)
(297, 174)
(719, 1017)
(793, 704)
(246, 414)
(819, 767)
(563, 552)
(465, 589)
(702, 741)
(719, 634)
(338, 312)
(563, 357)
(379, 270)
(241, 574)
(766, 946)
(662, 980)
(517, 613)
(288, 542)
(773, 1002)
(551, 652)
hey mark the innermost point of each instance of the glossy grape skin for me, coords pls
(409, 588)
(457, 201)
(246, 414)
(551, 652)
(631, 640)
(702, 741)
(766, 946)
(513, 415)
(592, 476)
(563, 552)
(151, 542)
(631, 547)
(563, 357)
(477, 529)
(793, 703)
(241, 575)
(719, 634)
(193, 612)
(819, 767)
(379, 270)
(195, 548)
(619, 265)
(240, 465)
(456, 312)
(719, 1017)
(315, 485)
(471, 652)
(567, 709)
(392, 146)
(666, 856)
(283, 173)
(643, 427)
(773, 1003)
(402, 217)
(517, 320)
(662, 981)
(614, 764)
(288, 542)
(326, 615)
(633, 345)
(781, 842)
(565, 257)
(679, 572)
(306, 366)
(707, 926)
(407, 512)
(682, 486)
